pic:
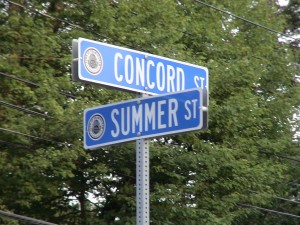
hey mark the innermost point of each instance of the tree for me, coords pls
(196, 178)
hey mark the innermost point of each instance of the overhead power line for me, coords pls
(288, 200)
(24, 218)
(280, 156)
(267, 210)
(281, 198)
(34, 84)
(17, 144)
(32, 57)
(291, 183)
(25, 110)
(20, 79)
(244, 19)
(73, 25)
(31, 136)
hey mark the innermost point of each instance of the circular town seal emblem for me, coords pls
(92, 60)
(96, 126)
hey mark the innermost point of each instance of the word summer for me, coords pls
(146, 117)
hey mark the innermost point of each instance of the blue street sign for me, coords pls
(148, 117)
(109, 65)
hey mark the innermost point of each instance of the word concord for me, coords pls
(140, 71)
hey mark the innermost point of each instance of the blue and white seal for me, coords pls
(93, 61)
(96, 126)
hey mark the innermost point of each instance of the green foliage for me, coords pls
(195, 178)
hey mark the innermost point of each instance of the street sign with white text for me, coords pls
(148, 117)
(131, 70)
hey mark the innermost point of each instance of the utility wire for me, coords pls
(31, 136)
(24, 109)
(34, 84)
(292, 183)
(15, 144)
(267, 210)
(24, 218)
(288, 200)
(126, 44)
(28, 111)
(73, 25)
(244, 19)
(32, 57)
(281, 198)
(20, 79)
(280, 156)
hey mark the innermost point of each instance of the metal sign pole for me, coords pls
(142, 181)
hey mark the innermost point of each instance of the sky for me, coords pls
(283, 2)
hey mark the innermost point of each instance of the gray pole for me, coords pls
(142, 182)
